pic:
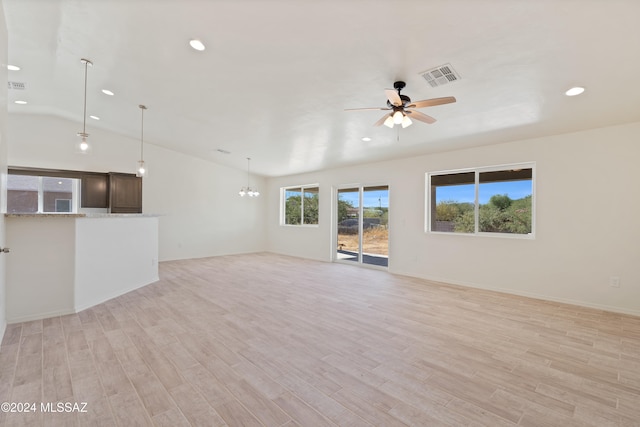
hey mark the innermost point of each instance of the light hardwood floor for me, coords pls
(269, 340)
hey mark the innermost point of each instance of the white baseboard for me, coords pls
(3, 329)
(112, 295)
(46, 315)
(580, 303)
(39, 316)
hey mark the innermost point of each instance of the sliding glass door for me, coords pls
(363, 225)
(348, 225)
(375, 226)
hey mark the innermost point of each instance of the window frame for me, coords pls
(283, 204)
(477, 171)
(75, 191)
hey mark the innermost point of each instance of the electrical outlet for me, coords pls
(614, 281)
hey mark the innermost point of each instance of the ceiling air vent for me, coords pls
(440, 75)
(17, 85)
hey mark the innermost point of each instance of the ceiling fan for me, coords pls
(402, 108)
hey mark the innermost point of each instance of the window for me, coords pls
(41, 194)
(497, 200)
(300, 205)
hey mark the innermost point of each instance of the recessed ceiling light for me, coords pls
(13, 67)
(574, 91)
(197, 44)
(366, 139)
(107, 92)
(20, 102)
(95, 117)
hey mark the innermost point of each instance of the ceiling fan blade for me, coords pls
(366, 109)
(393, 97)
(420, 116)
(382, 119)
(431, 102)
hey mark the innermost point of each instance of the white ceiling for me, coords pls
(276, 76)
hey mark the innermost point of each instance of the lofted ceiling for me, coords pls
(276, 76)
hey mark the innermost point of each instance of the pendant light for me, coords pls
(142, 169)
(248, 191)
(83, 146)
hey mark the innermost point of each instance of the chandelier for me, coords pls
(248, 191)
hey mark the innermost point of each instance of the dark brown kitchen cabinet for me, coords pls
(94, 190)
(125, 193)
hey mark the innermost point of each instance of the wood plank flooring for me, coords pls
(269, 340)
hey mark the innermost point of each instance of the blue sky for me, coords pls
(459, 193)
(372, 199)
(465, 193)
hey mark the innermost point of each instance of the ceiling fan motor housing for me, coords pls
(405, 101)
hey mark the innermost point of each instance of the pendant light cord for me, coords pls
(84, 118)
(142, 108)
(84, 115)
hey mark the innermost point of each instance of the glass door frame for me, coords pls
(334, 235)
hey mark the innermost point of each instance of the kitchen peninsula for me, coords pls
(64, 263)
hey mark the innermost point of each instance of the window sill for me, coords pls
(529, 236)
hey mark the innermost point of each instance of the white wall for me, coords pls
(587, 203)
(40, 273)
(3, 164)
(61, 265)
(113, 255)
(587, 229)
(200, 211)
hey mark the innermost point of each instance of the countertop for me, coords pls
(77, 215)
(45, 215)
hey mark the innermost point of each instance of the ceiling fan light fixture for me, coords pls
(389, 122)
(406, 122)
(398, 117)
